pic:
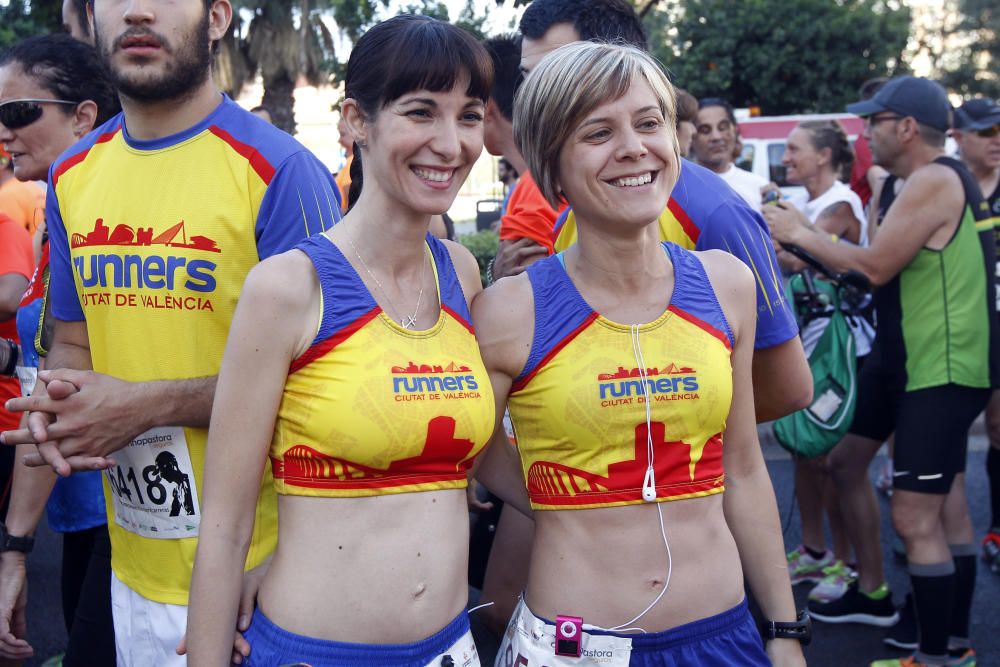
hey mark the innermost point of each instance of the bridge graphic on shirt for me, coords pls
(123, 235)
(443, 457)
(672, 467)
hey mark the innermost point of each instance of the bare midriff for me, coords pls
(387, 569)
(608, 564)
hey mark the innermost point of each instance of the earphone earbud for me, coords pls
(649, 486)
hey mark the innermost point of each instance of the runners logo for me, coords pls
(418, 382)
(153, 272)
(670, 383)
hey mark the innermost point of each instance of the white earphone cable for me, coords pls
(648, 481)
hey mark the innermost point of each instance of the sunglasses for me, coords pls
(15, 114)
(989, 132)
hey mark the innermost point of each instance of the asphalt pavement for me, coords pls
(833, 645)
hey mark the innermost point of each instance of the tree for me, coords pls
(20, 19)
(785, 56)
(280, 50)
(974, 71)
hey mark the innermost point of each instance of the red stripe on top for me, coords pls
(702, 324)
(458, 318)
(253, 156)
(523, 382)
(687, 225)
(317, 350)
(71, 162)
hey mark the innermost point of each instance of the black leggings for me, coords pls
(86, 598)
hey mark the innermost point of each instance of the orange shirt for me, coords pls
(529, 215)
(343, 180)
(23, 202)
(15, 257)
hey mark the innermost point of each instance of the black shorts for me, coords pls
(931, 426)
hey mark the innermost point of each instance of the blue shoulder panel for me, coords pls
(452, 295)
(345, 297)
(726, 222)
(693, 291)
(560, 314)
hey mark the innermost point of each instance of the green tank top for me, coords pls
(936, 318)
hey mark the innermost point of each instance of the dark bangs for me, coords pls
(408, 53)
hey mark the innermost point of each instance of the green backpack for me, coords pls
(815, 430)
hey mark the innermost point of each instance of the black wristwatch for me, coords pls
(12, 358)
(9, 542)
(800, 628)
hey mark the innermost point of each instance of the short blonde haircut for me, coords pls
(568, 84)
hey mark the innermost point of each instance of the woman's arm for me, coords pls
(274, 322)
(504, 319)
(749, 504)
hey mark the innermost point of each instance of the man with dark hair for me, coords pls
(687, 116)
(977, 133)
(865, 175)
(155, 220)
(930, 371)
(527, 221)
(717, 144)
(703, 213)
(603, 20)
(76, 21)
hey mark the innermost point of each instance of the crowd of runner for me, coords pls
(260, 401)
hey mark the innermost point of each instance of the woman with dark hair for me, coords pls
(352, 366)
(53, 91)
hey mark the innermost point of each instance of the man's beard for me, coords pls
(188, 69)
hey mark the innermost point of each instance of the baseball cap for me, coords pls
(978, 113)
(923, 99)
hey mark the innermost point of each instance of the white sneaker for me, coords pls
(802, 567)
(836, 578)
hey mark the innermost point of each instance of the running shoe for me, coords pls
(966, 659)
(904, 635)
(802, 567)
(856, 607)
(991, 551)
(834, 583)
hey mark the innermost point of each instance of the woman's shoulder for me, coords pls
(725, 271)
(281, 277)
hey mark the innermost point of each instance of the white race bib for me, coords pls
(28, 377)
(462, 653)
(530, 642)
(153, 486)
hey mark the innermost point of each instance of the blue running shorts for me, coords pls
(272, 646)
(723, 640)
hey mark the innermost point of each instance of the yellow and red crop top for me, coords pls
(372, 408)
(578, 406)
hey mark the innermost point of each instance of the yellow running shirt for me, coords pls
(578, 406)
(150, 244)
(372, 408)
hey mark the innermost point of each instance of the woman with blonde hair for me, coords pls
(626, 365)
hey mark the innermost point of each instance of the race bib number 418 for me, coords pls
(153, 487)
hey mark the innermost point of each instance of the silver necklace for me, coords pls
(410, 321)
